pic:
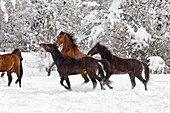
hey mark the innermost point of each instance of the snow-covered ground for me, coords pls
(44, 94)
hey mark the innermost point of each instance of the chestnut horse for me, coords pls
(131, 66)
(12, 63)
(70, 66)
(69, 49)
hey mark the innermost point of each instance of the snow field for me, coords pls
(44, 94)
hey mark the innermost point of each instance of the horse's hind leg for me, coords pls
(142, 80)
(98, 78)
(18, 80)
(132, 78)
(9, 78)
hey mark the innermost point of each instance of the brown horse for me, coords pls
(12, 63)
(69, 49)
(69, 66)
(131, 66)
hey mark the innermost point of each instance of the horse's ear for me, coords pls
(98, 42)
(54, 45)
(62, 32)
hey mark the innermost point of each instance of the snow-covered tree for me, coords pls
(129, 28)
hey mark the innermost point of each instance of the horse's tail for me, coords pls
(146, 72)
(101, 73)
(21, 69)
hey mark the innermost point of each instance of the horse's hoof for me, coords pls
(16, 81)
(111, 87)
(48, 74)
(70, 89)
(85, 82)
(103, 89)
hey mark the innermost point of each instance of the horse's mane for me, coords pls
(107, 52)
(71, 39)
(15, 51)
(56, 48)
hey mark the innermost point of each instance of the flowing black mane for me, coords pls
(15, 51)
(106, 53)
(71, 39)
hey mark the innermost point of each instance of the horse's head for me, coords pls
(49, 47)
(60, 38)
(95, 49)
(18, 53)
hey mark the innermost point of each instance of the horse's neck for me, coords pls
(67, 44)
(70, 50)
(57, 57)
(106, 54)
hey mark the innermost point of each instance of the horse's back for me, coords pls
(7, 61)
(74, 53)
(90, 62)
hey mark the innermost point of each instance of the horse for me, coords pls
(131, 66)
(70, 66)
(10, 63)
(70, 49)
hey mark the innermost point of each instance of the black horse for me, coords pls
(131, 66)
(70, 66)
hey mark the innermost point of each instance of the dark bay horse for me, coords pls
(12, 63)
(131, 66)
(69, 66)
(69, 49)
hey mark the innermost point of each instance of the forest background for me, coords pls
(129, 28)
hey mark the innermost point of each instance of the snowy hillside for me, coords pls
(44, 94)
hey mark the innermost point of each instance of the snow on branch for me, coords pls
(156, 64)
(142, 37)
(95, 32)
(3, 8)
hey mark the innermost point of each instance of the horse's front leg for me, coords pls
(86, 79)
(49, 70)
(94, 82)
(67, 81)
